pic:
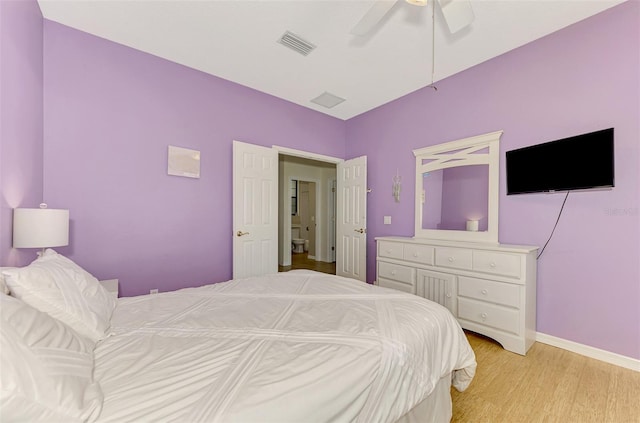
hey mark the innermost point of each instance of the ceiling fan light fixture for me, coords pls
(417, 2)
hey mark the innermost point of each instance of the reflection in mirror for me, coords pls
(294, 197)
(454, 195)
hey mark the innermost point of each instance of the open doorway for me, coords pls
(258, 247)
(307, 210)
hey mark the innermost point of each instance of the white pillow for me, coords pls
(46, 369)
(4, 289)
(59, 287)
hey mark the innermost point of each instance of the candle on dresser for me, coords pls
(472, 225)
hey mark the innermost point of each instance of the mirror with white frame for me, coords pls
(457, 190)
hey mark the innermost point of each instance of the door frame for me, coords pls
(279, 150)
(286, 151)
(306, 155)
(332, 194)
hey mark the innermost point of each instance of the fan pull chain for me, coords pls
(433, 45)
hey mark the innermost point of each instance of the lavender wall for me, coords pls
(20, 118)
(578, 80)
(110, 113)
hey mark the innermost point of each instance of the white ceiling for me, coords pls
(237, 40)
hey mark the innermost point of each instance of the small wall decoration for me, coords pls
(183, 162)
(396, 186)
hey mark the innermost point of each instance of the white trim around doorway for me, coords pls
(319, 214)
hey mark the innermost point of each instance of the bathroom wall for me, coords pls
(307, 214)
(304, 170)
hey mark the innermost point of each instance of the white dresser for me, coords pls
(491, 289)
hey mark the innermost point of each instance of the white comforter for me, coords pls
(299, 346)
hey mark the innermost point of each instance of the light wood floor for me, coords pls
(301, 261)
(547, 385)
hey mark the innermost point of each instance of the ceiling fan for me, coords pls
(457, 14)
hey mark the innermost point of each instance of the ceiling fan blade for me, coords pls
(457, 13)
(375, 14)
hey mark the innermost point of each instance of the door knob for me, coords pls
(240, 233)
(360, 230)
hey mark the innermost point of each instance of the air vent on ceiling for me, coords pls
(296, 43)
(327, 100)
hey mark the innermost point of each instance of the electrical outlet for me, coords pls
(153, 291)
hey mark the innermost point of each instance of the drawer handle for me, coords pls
(415, 254)
(484, 292)
(389, 251)
(451, 259)
(393, 272)
(448, 294)
(484, 316)
(492, 264)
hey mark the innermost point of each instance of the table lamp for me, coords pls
(40, 228)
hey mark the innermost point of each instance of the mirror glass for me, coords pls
(455, 195)
(294, 197)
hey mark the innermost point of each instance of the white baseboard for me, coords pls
(591, 352)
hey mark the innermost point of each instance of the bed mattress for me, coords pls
(299, 346)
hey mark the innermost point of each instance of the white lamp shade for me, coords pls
(40, 228)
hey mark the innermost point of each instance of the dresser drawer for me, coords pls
(495, 316)
(390, 249)
(419, 253)
(400, 286)
(458, 258)
(396, 272)
(484, 290)
(498, 263)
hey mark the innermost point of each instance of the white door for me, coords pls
(255, 210)
(351, 228)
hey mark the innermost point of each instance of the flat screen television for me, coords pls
(580, 162)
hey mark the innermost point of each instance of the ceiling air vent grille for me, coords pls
(296, 43)
(327, 100)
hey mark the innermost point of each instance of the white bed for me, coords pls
(299, 346)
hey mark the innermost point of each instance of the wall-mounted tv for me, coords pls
(580, 162)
